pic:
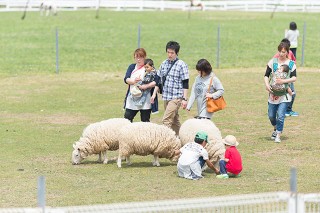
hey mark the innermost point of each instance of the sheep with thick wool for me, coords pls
(215, 147)
(97, 138)
(145, 138)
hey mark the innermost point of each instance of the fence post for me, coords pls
(139, 29)
(42, 193)
(303, 43)
(57, 51)
(218, 46)
(293, 200)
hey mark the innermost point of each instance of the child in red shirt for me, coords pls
(231, 165)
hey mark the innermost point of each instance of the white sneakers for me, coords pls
(277, 139)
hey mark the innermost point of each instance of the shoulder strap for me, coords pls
(210, 83)
(291, 63)
(275, 64)
(171, 67)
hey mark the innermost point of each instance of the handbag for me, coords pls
(135, 91)
(214, 105)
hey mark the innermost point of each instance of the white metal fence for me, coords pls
(119, 5)
(280, 202)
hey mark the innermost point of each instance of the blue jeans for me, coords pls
(289, 109)
(277, 114)
(222, 165)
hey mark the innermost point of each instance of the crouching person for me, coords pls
(193, 156)
(231, 165)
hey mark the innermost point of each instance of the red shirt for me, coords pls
(234, 165)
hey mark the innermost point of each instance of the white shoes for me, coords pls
(277, 139)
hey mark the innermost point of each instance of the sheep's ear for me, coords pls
(74, 146)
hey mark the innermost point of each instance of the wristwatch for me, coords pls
(185, 99)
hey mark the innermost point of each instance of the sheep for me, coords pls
(144, 138)
(215, 147)
(49, 7)
(97, 138)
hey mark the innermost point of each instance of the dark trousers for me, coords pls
(289, 109)
(222, 165)
(294, 51)
(144, 114)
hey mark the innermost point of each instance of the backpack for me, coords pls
(279, 89)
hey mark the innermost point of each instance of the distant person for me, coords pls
(200, 87)
(231, 165)
(292, 34)
(193, 157)
(196, 3)
(277, 105)
(175, 87)
(135, 73)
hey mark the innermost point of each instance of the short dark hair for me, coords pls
(198, 140)
(293, 25)
(286, 41)
(285, 68)
(284, 45)
(174, 46)
(148, 61)
(203, 65)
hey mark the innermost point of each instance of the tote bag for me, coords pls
(214, 105)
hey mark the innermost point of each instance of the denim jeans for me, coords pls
(277, 114)
(222, 165)
(289, 109)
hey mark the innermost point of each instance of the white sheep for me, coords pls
(190, 127)
(48, 7)
(97, 138)
(145, 138)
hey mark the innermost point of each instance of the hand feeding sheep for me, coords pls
(189, 129)
(97, 138)
(145, 138)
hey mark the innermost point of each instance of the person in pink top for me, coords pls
(231, 165)
(289, 111)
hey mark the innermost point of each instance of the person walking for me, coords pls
(292, 34)
(174, 75)
(277, 105)
(200, 91)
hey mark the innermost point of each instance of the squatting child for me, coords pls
(193, 156)
(231, 165)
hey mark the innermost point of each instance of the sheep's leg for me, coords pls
(128, 160)
(119, 161)
(155, 161)
(99, 158)
(105, 157)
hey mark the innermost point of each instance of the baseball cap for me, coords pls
(202, 136)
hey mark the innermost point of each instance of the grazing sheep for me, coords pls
(97, 138)
(48, 7)
(145, 138)
(189, 129)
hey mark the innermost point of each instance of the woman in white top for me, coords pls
(134, 74)
(292, 35)
(277, 105)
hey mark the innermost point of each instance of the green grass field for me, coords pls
(43, 113)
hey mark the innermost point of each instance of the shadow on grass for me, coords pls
(268, 139)
(145, 164)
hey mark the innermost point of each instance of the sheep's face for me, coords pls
(76, 156)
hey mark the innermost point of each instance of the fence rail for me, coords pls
(285, 202)
(140, 5)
